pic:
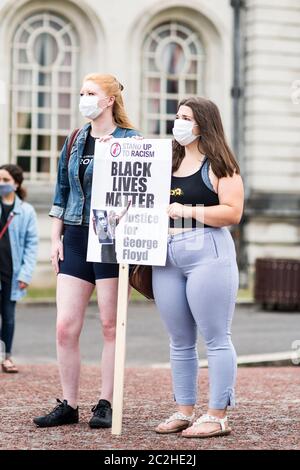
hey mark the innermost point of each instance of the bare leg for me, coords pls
(107, 293)
(72, 297)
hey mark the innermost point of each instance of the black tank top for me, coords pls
(193, 190)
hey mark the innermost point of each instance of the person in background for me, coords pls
(201, 272)
(102, 104)
(18, 252)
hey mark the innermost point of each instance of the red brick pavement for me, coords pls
(267, 415)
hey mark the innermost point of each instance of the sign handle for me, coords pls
(120, 351)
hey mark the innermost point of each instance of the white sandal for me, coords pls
(224, 431)
(187, 421)
(9, 367)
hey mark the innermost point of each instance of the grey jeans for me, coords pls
(197, 290)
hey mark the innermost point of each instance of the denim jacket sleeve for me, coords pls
(30, 249)
(62, 185)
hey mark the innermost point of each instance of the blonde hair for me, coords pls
(112, 87)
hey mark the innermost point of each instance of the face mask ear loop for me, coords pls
(111, 105)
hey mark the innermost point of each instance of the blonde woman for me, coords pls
(101, 102)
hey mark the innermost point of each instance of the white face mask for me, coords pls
(89, 108)
(183, 131)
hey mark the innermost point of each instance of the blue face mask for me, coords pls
(6, 188)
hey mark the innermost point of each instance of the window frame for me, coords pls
(67, 40)
(163, 34)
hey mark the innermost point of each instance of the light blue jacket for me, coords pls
(23, 236)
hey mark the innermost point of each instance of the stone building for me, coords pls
(244, 55)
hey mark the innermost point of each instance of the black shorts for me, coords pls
(75, 243)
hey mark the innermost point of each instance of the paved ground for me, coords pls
(267, 415)
(254, 332)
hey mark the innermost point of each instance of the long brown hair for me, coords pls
(16, 173)
(112, 87)
(212, 141)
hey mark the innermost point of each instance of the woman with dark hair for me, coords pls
(18, 252)
(206, 197)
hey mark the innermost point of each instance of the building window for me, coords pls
(43, 92)
(173, 68)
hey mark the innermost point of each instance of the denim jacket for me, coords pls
(71, 203)
(23, 237)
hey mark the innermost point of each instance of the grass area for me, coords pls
(245, 294)
(41, 293)
(49, 293)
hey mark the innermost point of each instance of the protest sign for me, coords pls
(130, 195)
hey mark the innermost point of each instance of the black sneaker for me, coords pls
(61, 414)
(102, 417)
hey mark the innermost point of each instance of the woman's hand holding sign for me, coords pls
(108, 137)
(177, 211)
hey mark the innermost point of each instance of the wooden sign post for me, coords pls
(129, 224)
(120, 352)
